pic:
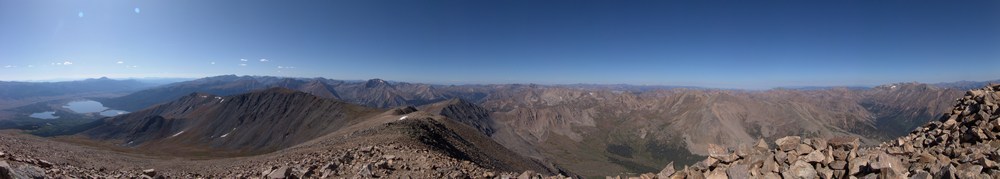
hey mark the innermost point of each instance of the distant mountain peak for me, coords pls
(907, 86)
(376, 83)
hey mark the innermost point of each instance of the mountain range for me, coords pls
(588, 129)
(571, 130)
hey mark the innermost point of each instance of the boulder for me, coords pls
(819, 143)
(679, 174)
(762, 145)
(527, 175)
(803, 149)
(281, 172)
(856, 165)
(889, 162)
(844, 142)
(840, 154)
(694, 175)
(149, 172)
(824, 173)
(839, 173)
(30, 171)
(645, 176)
(718, 173)
(946, 171)
(802, 170)
(5, 170)
(716, 151)
(772, 175)
(969, 171)
(667, 171)
(813, 157)
(838, 165)
(738, 172)
(769, 164)
(920, 174)
(890, 173)
(788, 143)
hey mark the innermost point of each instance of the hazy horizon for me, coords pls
(722, 44)
(181, 79)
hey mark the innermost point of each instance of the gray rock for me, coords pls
(694, 175)
(149, 172)
(802, 170)
(819, 143)
(30, 171)
(718, 173)
(772, 175)
(824, 173)
(44, 164)
(716, 151)
(738, 172)
(946, 171)
(5, 170)
(769, 165)
(667, 171)
(843, 142)
(813, 157)
(839, 173)
(969, 171)
(841, 154)
(920, 174)
(762, 145)
(527, 175)
(838, 165)
(788, 143)
(281, 172)
(856, 165)
(890, 173)
(803, 149)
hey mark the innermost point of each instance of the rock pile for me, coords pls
(22, 166)
(962, 144)
(391, 161)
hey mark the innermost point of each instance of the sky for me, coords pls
(709, 43)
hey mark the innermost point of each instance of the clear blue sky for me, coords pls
(734, 44)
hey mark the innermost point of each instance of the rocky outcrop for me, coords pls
(962, 144)
(465, 112)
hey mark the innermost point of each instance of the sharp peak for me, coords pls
(375, 82)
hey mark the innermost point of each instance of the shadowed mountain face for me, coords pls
(594, 131)
(465, 112)
(255, 122)
(639, 132)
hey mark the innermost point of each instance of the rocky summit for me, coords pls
(962, 144)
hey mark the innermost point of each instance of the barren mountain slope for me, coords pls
(310, 136)
(639, 132)
(963, 143)
(591, 127)
(256, 122)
